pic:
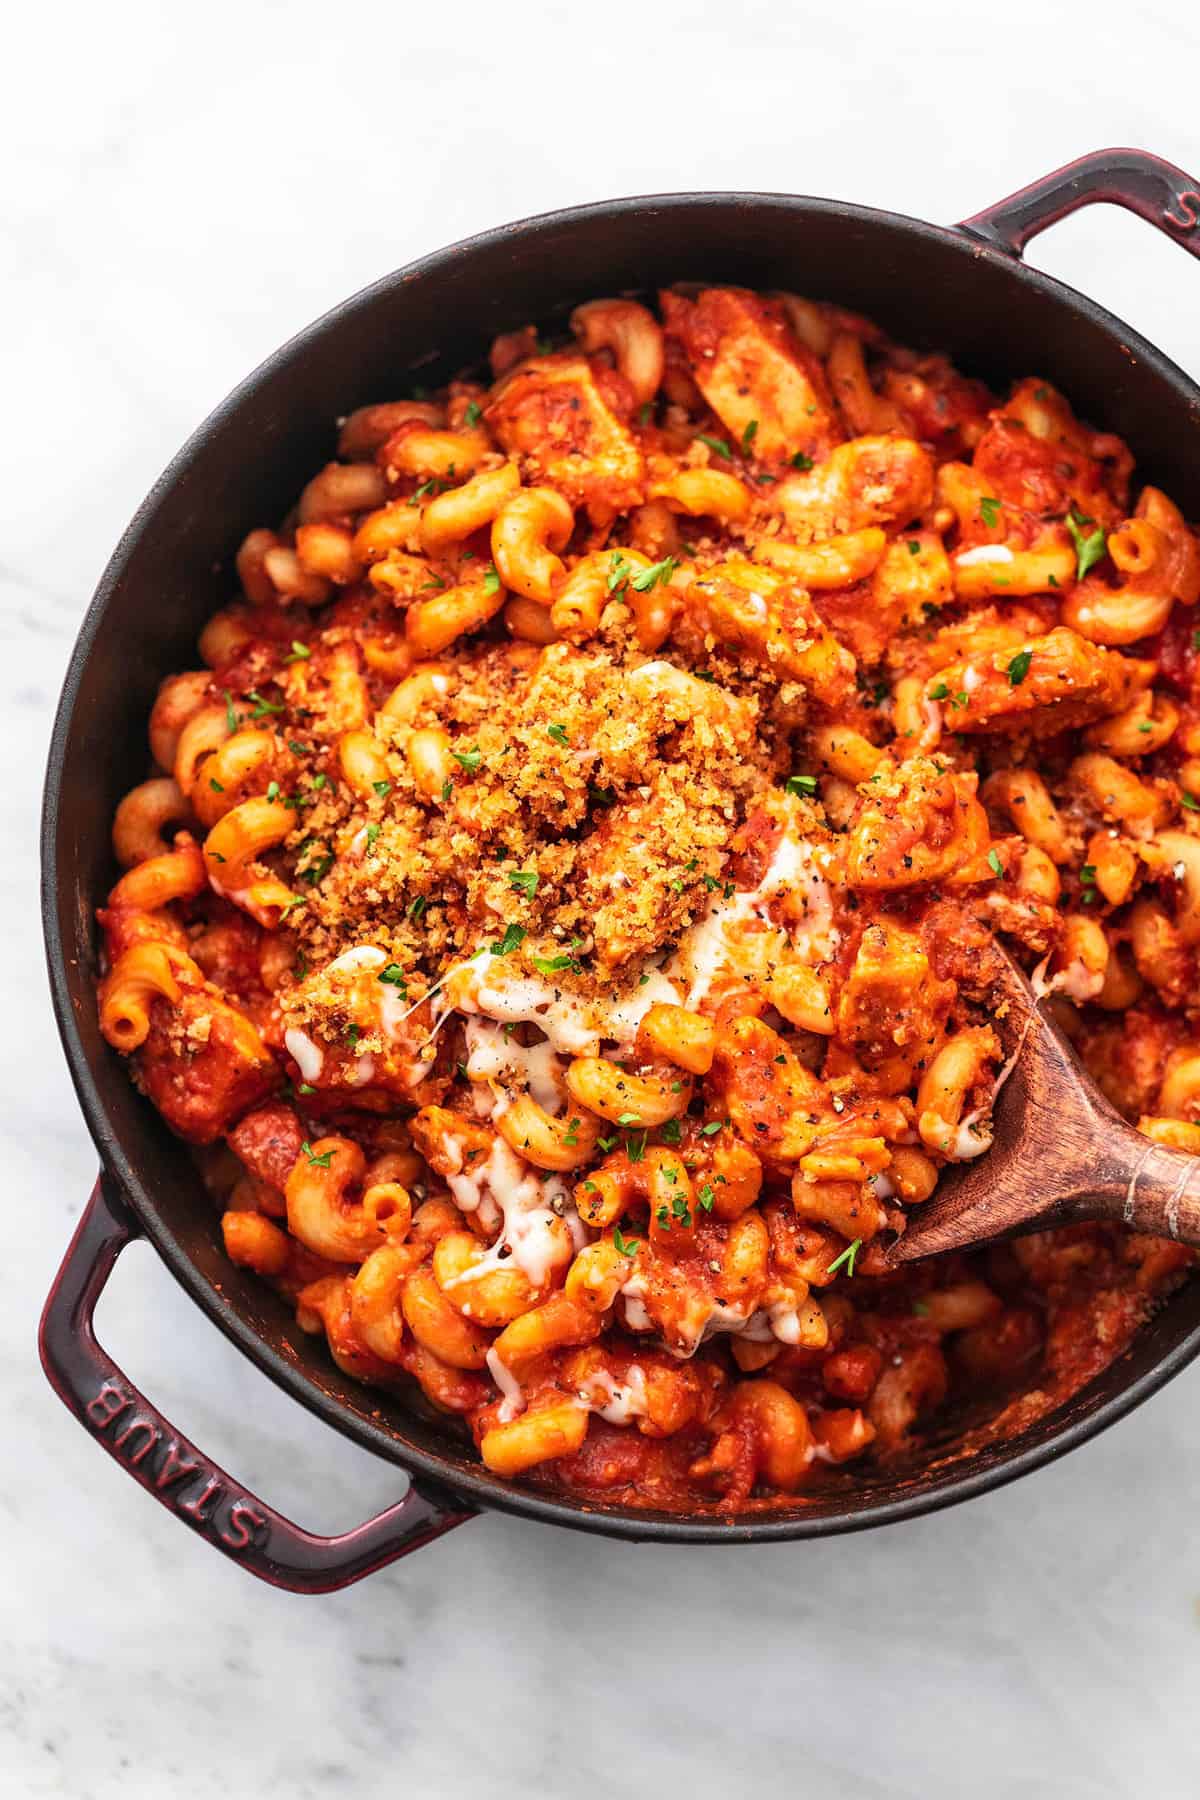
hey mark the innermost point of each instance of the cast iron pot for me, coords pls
(962, 288)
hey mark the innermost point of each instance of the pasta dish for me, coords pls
(560, 917)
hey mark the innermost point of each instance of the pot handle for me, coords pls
(1156, 190)
(171, 1468)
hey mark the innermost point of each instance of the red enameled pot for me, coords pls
(961, 288)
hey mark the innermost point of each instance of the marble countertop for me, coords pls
(193, 187)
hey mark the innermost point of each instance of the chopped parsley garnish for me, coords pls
(994, 863)
(706, 1197)
(914, 547)
(601, 796)
(382, 788)
(447, 789)
(618, 572)
(662, 571)
(1089, 545)
(626, 1246)
(473, 414)
(558, 733)
(628, 1118)
(216, 787)
(748, 436)
(372, 833)
(848, 1256)
(606, 1143)
(801, 461)
(712, 1128)
(801, 784)
(553, 965)
(418, 494)
(417, 907)
(671, 1132)
(273, 790)
(300, 652)
(1018, 667)
(317, 1162)
(393, 976)
(317, 871)
(262, 707)
(525, 881)
(491, 580)
(231, 718)
(297, 749)
(514, 937)
(571, 1135)
(989, 510)
(635, 1147)
(468, 759)
(1190, 801)
(939, 692)
(717, 445)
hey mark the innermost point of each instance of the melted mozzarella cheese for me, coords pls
(616, 1401)
(574, 1024)
(758, 1325)
(308, 1057)
(529, 1210)
(393, 1006)
(706, 949)
(709, 947)
(512, 1393)
(780, 1321)
(983, 553)
(636, 1317)
(784, 1322)
(970, 1140)
(534, 1068)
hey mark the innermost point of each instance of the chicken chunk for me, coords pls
(565, 420)
(752, 371)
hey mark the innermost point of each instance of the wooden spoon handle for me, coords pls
(1149, 1188)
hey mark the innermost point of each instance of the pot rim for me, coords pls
(988, 1469)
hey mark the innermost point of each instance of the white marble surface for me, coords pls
(185, 187)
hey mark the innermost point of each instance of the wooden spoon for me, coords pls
(1060, 1153)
